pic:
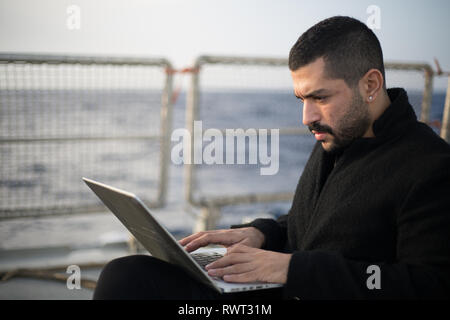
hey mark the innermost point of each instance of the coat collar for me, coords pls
(397, 116)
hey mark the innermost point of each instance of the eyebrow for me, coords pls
(313, 94)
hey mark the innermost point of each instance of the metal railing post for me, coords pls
(427, 95)
(191, 115)
(166, 125)
(207, 219)
(428, 85)
(445, 130)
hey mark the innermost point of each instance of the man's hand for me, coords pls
(250, 237)
(246, 264)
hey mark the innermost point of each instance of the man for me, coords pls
(371, 214)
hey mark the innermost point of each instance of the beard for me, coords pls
(352, 125)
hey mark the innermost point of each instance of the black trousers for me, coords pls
(145, 277)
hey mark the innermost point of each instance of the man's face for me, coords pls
(335, 113)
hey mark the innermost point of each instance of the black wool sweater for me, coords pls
(384, 202)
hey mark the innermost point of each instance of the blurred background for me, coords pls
(96, 88)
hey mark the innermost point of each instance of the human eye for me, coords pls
(320, 98)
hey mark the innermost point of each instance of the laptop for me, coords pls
(138, 219)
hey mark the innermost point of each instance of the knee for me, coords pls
(130, 266)
(124, 275)
(127, 263)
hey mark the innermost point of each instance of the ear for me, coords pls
(371, 84)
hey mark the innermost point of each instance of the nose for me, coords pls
(310, 113)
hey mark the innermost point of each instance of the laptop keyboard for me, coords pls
(204, 259)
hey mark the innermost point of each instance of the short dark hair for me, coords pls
(348, 46)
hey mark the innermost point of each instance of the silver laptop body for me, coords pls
(137, 218)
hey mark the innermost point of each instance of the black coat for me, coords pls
(385, 201)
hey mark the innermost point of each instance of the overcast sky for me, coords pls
(181, 29)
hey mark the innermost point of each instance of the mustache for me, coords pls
(316, 126)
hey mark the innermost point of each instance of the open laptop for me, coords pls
(137, 218)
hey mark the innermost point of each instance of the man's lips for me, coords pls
(319, 135)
